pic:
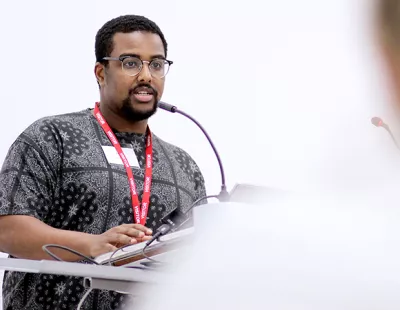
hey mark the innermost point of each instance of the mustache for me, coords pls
(132, 90)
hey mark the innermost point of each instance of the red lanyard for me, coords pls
(139, 213)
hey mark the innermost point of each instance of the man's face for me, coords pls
(132, 97)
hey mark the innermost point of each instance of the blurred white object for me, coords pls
(294, 254)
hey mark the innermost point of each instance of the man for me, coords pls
(64, 182)
(388, 29)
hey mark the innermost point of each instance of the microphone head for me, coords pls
(167, 107)
(377, 121)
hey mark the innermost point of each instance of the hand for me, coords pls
(118, 236)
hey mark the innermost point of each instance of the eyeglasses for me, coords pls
(132, 65)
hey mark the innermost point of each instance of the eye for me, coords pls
(157, 64)
(132, 63)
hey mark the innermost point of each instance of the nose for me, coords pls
(144, 74)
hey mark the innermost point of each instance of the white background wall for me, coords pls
(285, 88)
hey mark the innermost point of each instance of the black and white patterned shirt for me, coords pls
(57, 172)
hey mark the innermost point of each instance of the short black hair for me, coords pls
(124, 24)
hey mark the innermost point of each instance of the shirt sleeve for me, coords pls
(200, 186)
(27, 181)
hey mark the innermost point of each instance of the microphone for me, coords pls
(175, 219)
(223, 195)
(378, 122)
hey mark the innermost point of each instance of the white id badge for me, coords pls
(113, 157)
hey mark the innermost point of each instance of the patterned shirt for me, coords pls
(57, 172)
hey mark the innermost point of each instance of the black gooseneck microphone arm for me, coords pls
(223, 196)
(378, 122)
(175, 219)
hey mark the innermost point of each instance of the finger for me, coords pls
(140, 227)
(145, 238)
(117, 238)
(131, 232)
(145, 229)
(120, 245)
(134, 241)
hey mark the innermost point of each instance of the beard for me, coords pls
(130, 113)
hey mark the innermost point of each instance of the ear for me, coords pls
(99, 71)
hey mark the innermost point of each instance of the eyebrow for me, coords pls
(138, 56)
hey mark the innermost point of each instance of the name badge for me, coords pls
(113, 157)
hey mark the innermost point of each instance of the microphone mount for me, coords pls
(223, 196)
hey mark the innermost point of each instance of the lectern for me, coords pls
(127, 272)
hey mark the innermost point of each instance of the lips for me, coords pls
(143, 94)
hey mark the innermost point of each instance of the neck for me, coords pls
(121, 124)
